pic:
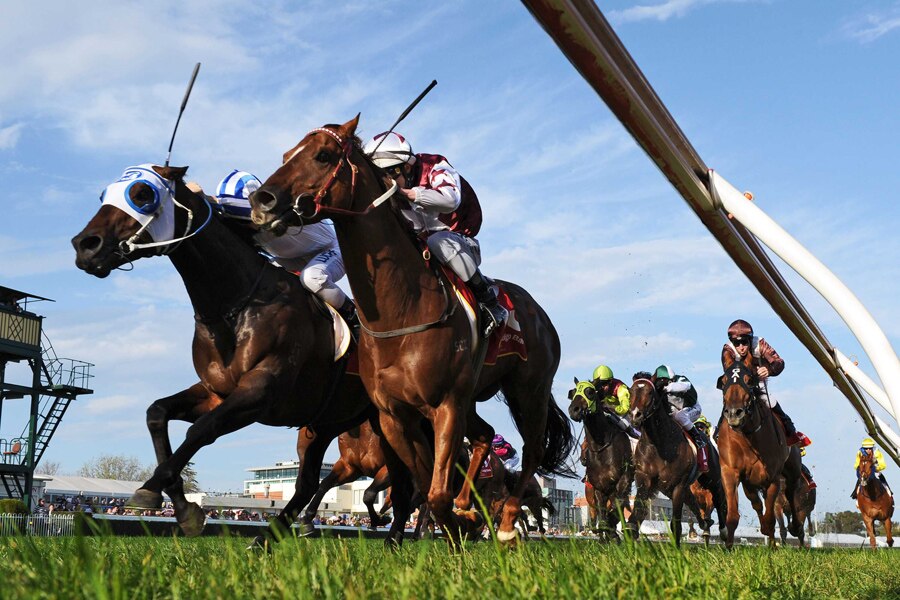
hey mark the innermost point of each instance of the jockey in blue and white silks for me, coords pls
(309, 250)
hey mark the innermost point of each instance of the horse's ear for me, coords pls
(576, 381)
(171, 173)
(720, 382)
(348, 129)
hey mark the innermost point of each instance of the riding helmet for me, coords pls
(740, 328)
(867, 443)
(394, 150)
(602, 373)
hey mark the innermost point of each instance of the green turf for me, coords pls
(108, 567)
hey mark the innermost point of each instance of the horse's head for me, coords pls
(582, 400)
(738, 385)
(137, 218)
(644, 401)
(866, 465)
(319, 178)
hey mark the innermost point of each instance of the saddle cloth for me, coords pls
(506, 339)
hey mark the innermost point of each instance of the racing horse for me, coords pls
(783, 513)
(607, 460)
(263, 348)
(495, 489)
(420, 355)
(754, 453)
(874, 501)
(664, 461)
(361, 454)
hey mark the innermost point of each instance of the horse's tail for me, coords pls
(559, 443)
(548, 506)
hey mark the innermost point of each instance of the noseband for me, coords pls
(735, 376)
(654, 398)
(319, 208)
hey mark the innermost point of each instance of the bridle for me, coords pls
(653, 406)
(166, 247)
(735, 376)
(316, 199)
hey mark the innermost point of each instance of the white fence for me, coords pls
(39, 525)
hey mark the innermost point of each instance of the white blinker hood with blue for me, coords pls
(157, 217)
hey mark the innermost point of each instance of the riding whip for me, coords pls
(403, 115)
(187, 95)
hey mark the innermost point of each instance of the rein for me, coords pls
(751, 408)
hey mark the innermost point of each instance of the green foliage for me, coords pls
(114, 466)
(110, 567)
(12, 506)
(848, 521)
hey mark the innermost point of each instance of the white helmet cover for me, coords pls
(233, 193)
(394, 150)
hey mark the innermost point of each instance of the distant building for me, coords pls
(563, 501)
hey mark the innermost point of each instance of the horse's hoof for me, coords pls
(393, 544)
(192, 520)
(145, 499)
(509, 539)
(306, 529)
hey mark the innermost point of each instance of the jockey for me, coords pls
(505, 451)
(615, 398)
(703, 424)
(311, 250)
(867, 448)
(768, 364)
(443, 207)
(683, 406)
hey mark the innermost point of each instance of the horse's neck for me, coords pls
(597, 429)
(218, 269)
(662, 430)
(386, 271)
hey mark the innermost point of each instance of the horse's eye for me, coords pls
(324, 156)
(590, 393)
(142, 195)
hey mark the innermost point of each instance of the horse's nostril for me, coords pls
(264, 200)
(90, 244)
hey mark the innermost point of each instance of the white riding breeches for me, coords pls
(459, 252)
(319, 276)
(686, 416)
(763, 393)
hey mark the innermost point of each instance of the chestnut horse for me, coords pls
(361, 456)
(665, 462)
(874, 501)
(607, 460)
(420, 356)
(263, 345)
(753, 452)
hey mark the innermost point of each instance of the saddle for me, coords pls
(701, 456)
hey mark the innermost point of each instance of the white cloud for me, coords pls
(9, 136)
(663, 11)
(873, 25)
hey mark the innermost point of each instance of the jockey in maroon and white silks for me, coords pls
(443, 207)
(767, 364)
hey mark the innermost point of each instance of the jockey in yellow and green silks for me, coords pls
(615, 398)
(867, 448)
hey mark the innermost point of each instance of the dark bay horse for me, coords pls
(874, 501)
(607, 460)
(784, 514)
(496, 489)
(419, 355)
(754, 454)
(361, 455)
(665, 462)
(263, 346)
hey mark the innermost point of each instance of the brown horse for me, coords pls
(665, 462)
(263, 346)
(495, 490)
(783, 513)
(607, 460)
(753, 452)
(420, 356)
(361, 456)
(874, 501)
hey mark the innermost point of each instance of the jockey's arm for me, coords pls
(443, 194)
(679, 387)
(770, 358)
(856, 463)
(880, 465)
(621, 401)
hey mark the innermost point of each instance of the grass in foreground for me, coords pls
(108, 567)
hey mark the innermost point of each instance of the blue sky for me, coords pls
(797, 105)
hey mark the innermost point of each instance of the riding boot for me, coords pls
(702, 456)
(494, 314)
(623, 424)
(884, 481)
(349, 314)
(792, 436)
(855, 491)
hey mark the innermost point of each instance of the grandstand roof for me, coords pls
(89, 486)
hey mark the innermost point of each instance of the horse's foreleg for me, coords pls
(678, 499)
(447, 421)
(641, 504)
(380, 482)
(342, 472)
(767, 525)
(401, 495)
(729, 486)
(795, 511)
(887, 532)
(870, 529)
(480, 434)
(186, 405)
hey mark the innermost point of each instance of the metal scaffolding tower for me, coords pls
(55, 382)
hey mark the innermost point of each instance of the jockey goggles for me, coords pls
(743, 340)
